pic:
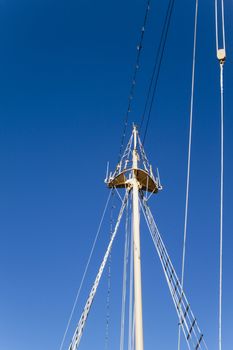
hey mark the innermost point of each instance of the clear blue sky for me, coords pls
(65, 70)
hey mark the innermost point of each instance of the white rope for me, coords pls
(85, 271)
(189, 157)
(221, 208)
(133, 331)
(124, 284)
(191, 330)
(82, 321)
(130, 295)
(221, 62)
(216, 25)
(106, 345)
(223, 25)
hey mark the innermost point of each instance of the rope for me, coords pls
(83, 318)
(189, 156)
(109, 286)
(216, 24)
(85, 271)
(223, 26)
(108, 305)
(221, 207)
(133, 82)
(157, 67)
(124, 285)
(221, 59)
(154, 69)
(130, 294)
(193, 335)
(133, 331)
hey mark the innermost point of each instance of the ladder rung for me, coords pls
(190, 331)
(199, 342)
(171, 275)
(180, 299)
(162, 253)
(186, 311)
(175, 289)
(166, 265)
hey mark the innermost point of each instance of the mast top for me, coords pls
(123, 174)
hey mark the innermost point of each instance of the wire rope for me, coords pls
(189, 157)
(221, 55)
(217, 27)
(223, 25)
(108, 304)
(124, 284)
(133, 82)
(157, 67)
(130, 292)
(86, 310)
(109, 285)
(154, 68)
(221, 208)
(85, 270)
(133, 330)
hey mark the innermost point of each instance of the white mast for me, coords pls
(137, 253)
(136, 176)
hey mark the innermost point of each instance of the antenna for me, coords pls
(158, 180)
(107, 171)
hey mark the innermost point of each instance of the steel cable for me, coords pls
(124, 284)
(189, 156)
(221, 55)
(133, 82)
(85, 271)
(157, 68)
(109, 285)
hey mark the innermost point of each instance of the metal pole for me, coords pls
(137, 254)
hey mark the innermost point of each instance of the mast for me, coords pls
(134, 175)
(137, 251)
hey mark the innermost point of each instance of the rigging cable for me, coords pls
(221, 210)
(124, 284)
(111, 193)
(221, 55)
(131, 276)
(133, 330)
(133, 82)
(193, 335)
(108, 304)
(189, 156)
(82, 321)
(157, 67)
(109, 285)
(154, 68)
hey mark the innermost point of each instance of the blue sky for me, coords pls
(65, 69)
